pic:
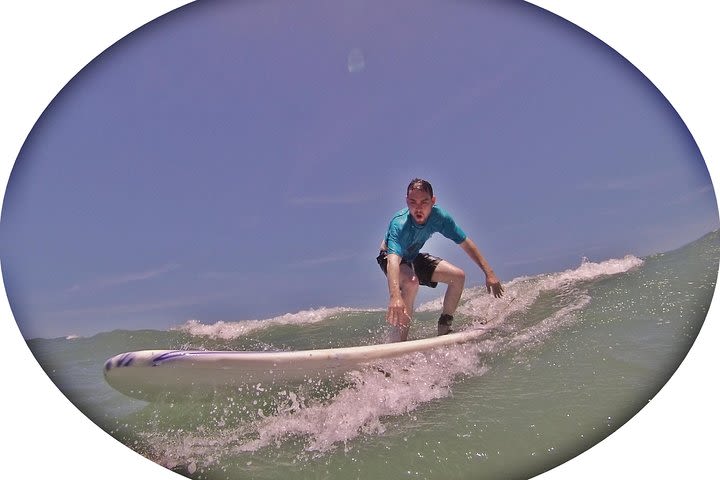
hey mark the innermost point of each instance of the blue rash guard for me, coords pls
(405, 237)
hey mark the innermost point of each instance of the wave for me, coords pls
(362, 404)
(232, 330)
(520, 294)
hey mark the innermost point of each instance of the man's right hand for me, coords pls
(397, 314)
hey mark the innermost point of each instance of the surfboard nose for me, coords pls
(121, 360)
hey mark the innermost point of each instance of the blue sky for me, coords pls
(241, 160)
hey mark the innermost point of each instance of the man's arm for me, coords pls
(491, 282)
(397, 314)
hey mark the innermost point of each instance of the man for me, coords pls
(406, 268)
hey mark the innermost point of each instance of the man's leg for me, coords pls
(408, 288)
(454, 277)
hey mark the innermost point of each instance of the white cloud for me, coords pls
(122, 279)
(631, 183)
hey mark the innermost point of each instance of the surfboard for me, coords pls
(150, 374)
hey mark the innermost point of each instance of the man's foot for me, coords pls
(444, 330)
(445, 324)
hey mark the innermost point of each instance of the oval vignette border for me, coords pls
(643, 438)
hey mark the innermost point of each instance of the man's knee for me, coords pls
(408, 280)
(456, 276)
(410, 283)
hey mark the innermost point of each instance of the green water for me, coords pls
(569, 358)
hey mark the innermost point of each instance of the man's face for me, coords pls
(420, 203)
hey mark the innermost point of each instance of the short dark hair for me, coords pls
(420, 184)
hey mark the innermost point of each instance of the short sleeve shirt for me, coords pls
(405, 237)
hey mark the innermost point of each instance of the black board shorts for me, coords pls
(424, 266)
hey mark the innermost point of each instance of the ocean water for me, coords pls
(567, 359)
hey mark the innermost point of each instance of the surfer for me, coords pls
(406, 268)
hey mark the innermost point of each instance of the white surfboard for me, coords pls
(148, 374)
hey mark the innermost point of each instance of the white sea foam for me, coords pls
(389, 389)
(230, 330)
(522, 292)
(393, 388)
